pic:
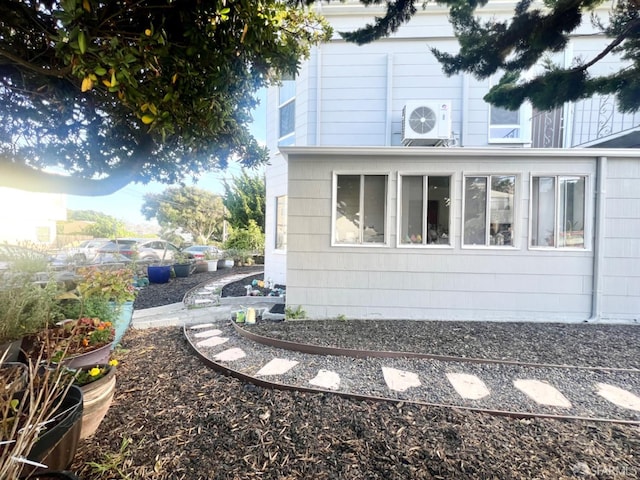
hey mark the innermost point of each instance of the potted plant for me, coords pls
(183, 264)
(211, 261)
(26, 307)
(97, 383)
(39, 422)
(112, 287)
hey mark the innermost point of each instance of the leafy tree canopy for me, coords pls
(245, 200)
(103, 226)
(95, 95)
(537, 30)
(190, 209)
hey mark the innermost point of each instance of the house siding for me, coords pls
(456, 282)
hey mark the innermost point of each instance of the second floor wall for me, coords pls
(347, 94)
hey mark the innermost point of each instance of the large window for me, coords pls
(425, 203)
(281, 222)
(488, 210)
(287, 111)
(360, 209)
(558, 211)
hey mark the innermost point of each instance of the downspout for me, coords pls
(318, 95)
(598, 253)
(389, 93)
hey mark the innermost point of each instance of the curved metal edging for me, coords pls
(355, 396)
(355, 353)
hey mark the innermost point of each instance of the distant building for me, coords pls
(28, 217)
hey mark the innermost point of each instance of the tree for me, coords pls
(103, 226)
(245, 200)
(191, 209)
(512, 47)
(95, 95)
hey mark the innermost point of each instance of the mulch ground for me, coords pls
(174, 418)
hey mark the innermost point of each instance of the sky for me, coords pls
(125, 204)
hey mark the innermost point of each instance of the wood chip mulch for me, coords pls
(174, 418)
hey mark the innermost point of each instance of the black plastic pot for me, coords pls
(57, 446)
(182, 269)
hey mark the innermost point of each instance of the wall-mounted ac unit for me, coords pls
(426, 122)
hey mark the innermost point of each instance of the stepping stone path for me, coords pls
(542, 393)
(400, 380)
(277, 366)
(326, 379)
(620, 397)
(469, 387)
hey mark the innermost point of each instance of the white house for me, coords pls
(397, 192)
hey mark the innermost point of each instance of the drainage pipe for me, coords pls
(598, 241)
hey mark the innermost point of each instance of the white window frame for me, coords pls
(425, 176)
(277, 201)
(588, 218)
(525, 114)
(514, 208)
(334, 197)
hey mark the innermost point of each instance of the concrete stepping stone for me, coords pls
(619, 396)
(326, 379)
(201, 301)
(212, 342)
(201, 326)
(208, 333)
(230, 355)
(542, 393)
(468, 386)
(277, 366)
(400, 380)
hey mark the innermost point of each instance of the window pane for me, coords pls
(411, 213)
(287, 118)
(286, 91)
(375, 195)
(571, 212)
(438, 209)
(475, 202)
(543, 207)
(502, 190)
(281, 222)
(347, 228)
(502, 116)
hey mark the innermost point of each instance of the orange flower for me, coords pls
(85, 342)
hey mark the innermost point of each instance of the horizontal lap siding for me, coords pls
(442, 283)
(621, 264)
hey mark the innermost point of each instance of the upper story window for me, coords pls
(281, 222)
(287, 111)
(425, 209)
(488, 210)
(504, 125)
(360, 209)
(558, 211)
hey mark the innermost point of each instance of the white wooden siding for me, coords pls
(479, 283)
(621, 265)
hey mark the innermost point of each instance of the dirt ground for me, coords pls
(174, 418)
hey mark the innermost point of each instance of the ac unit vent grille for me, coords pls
(422, 120)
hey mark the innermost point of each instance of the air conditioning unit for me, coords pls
(426, 122)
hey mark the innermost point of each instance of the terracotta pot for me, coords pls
(99, 356)
(97, 398)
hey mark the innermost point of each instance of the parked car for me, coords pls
(143, 249)
(200, 252)
(85, 252)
